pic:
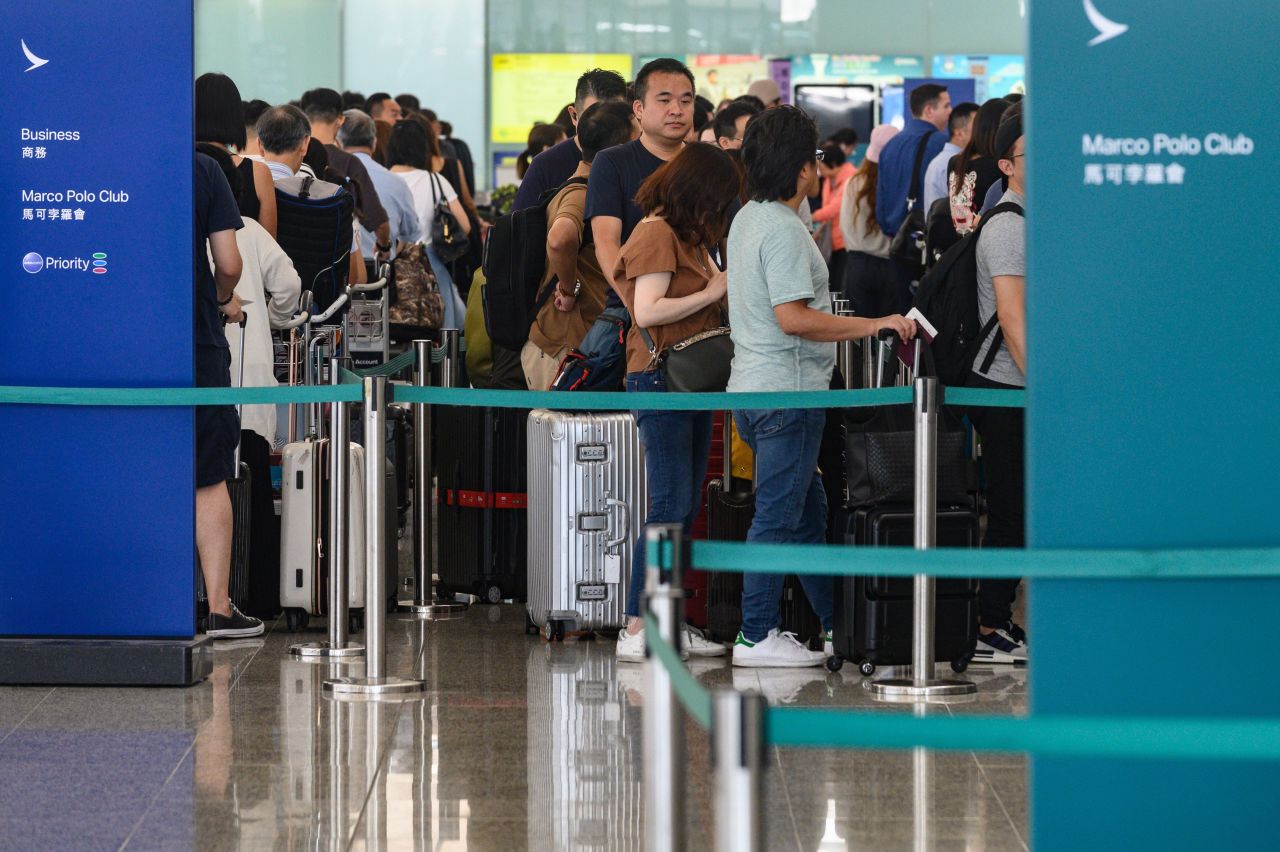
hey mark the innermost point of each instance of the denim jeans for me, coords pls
(791, 506)
(676, 447)
(455, 311)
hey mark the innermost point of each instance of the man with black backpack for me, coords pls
(573, 289)
(1000, 362)
(903, 166)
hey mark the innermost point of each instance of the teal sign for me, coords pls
(854, 68)
(1152, 419)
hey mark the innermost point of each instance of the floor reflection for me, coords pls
(517, 744)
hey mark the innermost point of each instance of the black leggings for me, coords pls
(1003, 454)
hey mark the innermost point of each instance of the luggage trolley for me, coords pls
(368, 328)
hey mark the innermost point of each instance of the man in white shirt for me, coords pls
(284, 134)
(960, 125)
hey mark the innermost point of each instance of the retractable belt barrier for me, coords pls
(584, 401)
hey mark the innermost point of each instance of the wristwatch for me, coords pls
(577, 288)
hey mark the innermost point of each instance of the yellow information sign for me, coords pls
(527, 88)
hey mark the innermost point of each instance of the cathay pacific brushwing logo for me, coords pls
(1107, 28)
(35, 61)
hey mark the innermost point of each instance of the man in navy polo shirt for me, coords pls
(557, 164)
(930, 110)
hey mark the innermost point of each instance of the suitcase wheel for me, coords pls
(959, 665)
(835, 663)
(867, 668)
(295, 620)
(493, 594)
(553, 631)
(530, 628)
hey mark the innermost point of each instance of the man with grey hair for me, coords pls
(284, 134)
(358, 137)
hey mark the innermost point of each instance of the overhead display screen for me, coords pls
(527, 88)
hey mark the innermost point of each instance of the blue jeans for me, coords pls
(677, 445)
(791, 506)
(455, 311)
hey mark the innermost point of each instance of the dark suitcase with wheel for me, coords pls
(481, 501)
(873, 616)
(729, 515)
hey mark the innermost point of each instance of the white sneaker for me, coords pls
(1000, 647)
(777, 650)
(630, 647)
(778, 686)
(697, 644)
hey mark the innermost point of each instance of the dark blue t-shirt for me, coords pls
(547, 171)
(616, 175)
(216, 210)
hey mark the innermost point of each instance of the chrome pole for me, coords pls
(424, 602)
(664, 742)
(376, 681)
(450, 343)
(922, 684)
(338, 646)
(737, 734)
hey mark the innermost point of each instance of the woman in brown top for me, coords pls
(673, 290)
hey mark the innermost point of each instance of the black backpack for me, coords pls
(515, 259)
(314, 230)
(948, 298)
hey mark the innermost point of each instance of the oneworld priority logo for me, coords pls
(32, 262)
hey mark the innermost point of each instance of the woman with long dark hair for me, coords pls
(972, 172)
(870, 280)
(409, 157)
(671, 286)
(541, 137)
(220, 121)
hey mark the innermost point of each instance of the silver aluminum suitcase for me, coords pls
(581, 724)
(587, 501)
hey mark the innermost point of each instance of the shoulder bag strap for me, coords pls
(913, 195)
(993, 324)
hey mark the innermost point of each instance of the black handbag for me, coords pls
(447, 237)
(908, 246)
(697, 364)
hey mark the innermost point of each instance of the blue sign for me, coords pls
(96, 536)
(994, 76)
(1152, 415)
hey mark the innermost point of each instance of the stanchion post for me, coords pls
(922, 685)
(664, 742)
(450, 344)
(338, 646)
(376, 682)
(737, 745)
(424, 602)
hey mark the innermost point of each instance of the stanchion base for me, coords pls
(907, 689)
(437, 608)
(373, 688)
(323, 651)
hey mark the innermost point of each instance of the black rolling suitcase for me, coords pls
(873, 616)
(481, 496)
(729, 515)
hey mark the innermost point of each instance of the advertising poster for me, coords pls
(994, 76)
(722, 78)
(854, 68)
(528, 88)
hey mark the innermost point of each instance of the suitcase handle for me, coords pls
(626, 521)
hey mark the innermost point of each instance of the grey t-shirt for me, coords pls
(772, 261)
(1002, 250)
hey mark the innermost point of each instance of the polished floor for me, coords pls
(517, 745)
